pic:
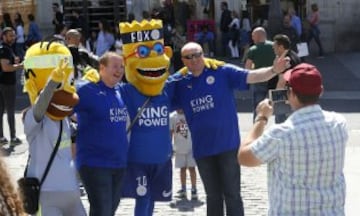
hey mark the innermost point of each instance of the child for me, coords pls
(183, 152)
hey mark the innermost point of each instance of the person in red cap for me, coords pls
(305, 154)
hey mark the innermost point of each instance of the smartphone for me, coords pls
(278, 97)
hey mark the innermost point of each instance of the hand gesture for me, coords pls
(58, 73)
(281, 63)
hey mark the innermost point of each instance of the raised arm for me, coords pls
(281, 63)
(42, 102)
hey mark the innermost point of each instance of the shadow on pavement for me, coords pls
(185, 205)
(6, 151)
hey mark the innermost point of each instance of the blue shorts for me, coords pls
(153, 180)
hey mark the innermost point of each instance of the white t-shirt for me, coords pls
(235, 23)
(42, 137)
(181, 133)
(246, 25)
(20, 34)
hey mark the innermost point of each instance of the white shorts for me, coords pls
(184, 160)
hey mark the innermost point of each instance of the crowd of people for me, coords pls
(109, 160)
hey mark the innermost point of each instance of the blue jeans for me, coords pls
(20, 50)
(259, 93)
(221, 178)
(315, 33)
(103, 186)
(225, 38)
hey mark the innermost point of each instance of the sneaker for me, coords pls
(194, 195)
(15, 141)
(181, 194)
(180, 191)
(3, 141)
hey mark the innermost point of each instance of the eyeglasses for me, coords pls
(194, 55)
(144, 51)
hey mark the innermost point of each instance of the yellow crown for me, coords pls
(126, 27)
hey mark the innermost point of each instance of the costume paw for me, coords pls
(213, 63)
(58, 73)
(91, 74)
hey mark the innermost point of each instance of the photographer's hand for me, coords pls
(264, 108)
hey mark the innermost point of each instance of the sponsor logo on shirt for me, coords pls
(118, 114)
(202, 104)
(154, 116)
(210, 80)
(102, 93)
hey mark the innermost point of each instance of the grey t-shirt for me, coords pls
(42, 137)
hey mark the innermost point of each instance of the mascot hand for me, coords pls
(213, 63)
(183, 71)
(58, 73)
(91, 75)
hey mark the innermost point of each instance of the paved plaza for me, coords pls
(253, 180)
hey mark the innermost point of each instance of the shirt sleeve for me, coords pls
(236, 77)
(266, 147)
(84, 93)
(4, 54)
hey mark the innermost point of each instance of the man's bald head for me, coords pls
(73, 37)
(259, 35)
(192, 56)
(191, 46)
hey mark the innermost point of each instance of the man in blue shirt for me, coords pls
(205, 95)
(101, 142)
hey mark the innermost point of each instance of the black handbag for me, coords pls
(30, 186)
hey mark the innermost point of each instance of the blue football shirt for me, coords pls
(209, 106)
(150, 136)
(101, 138)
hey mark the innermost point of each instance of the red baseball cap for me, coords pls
(304, 79)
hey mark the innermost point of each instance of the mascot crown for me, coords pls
(134, 26)
(140, 32)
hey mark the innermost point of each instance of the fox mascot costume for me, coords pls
(147, 95)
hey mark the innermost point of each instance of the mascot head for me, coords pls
(40, 61)
(146, 58)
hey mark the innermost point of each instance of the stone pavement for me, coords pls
(253, 180)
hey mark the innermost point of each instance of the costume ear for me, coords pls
(168, 51)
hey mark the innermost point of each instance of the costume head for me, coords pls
(146, 59)
(40, 61)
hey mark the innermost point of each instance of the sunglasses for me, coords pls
(194, 55)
